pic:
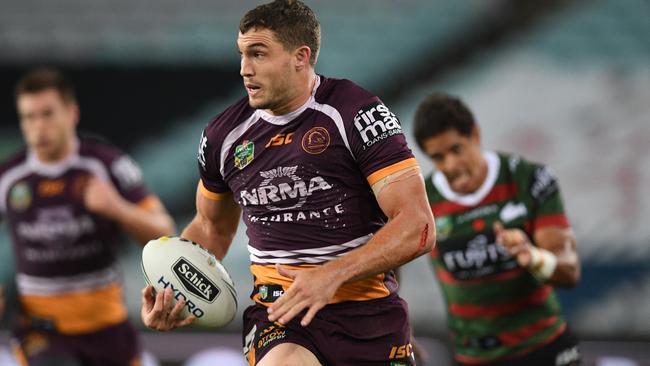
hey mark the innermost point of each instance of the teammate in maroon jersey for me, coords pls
(503, 243)
(332, 199)
(64, 199)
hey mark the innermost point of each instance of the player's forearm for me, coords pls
(143, 224)
(561, 244)
(567, 272)
(408, 235)
(215, 239)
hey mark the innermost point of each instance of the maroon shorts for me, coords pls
(116, 345)
(355, 333)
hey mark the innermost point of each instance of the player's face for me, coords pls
(267, 68)
(48, 123)
(459, 158)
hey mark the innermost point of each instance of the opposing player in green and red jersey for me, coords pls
(504, 242)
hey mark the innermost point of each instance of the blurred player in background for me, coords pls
(64, 199)
(503, 243)
(321, 170)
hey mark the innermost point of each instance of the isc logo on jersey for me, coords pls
(375, 123)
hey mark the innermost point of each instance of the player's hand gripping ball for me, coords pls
(195, 276)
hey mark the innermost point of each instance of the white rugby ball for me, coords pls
(195, 275)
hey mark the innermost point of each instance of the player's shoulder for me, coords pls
(343, 93)
(535, 178)
(99, 148)
(517, 165)
(16, 159)
(231, 117)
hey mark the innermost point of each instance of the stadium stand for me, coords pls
(570, 90)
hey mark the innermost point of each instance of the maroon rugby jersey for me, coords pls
(303, 179)
(65, 255)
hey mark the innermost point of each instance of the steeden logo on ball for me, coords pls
(195, 281)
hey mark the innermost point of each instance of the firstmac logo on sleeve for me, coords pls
(375, 123)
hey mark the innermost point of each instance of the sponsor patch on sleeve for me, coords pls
(203, 145)
(127, 172)
(543, 184)
(375, 123)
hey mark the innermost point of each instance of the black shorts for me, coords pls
(116, 345)
(355, 333)
(563, 351)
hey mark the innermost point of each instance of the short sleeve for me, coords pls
(212, 184)
(544, 191)
(127, 177)
(378, 142)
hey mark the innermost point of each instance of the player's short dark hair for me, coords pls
(293, 23)
(439, 113)
(41, 79)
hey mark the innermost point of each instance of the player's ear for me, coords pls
(301, 56)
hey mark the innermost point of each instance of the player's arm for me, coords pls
(214, 227)
(409, 233)
(553, 258)
(144, 221)
(215, 223)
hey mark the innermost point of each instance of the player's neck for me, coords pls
(482, 174)
(56, 155)
(305, 90)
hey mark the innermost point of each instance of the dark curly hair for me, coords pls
(439, 113)
(293, 23)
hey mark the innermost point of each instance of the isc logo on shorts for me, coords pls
(375, 123)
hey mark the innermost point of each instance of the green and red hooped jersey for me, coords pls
(495, 308)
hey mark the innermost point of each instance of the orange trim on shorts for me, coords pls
(79, 312)
(251, 356)
(149, 203)
(212, 195)
(19, 354)
(384, 172)
(367, 289)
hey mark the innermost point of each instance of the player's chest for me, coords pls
(46, 200)
(309, 152)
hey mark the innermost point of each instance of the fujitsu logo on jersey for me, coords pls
(195, 281)
(375, 123)
(283, 186)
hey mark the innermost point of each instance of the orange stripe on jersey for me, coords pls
(366, 289)
(149, 203)
(384, 172)
(79, 312)
(212, 195)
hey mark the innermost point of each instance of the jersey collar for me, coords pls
(54, 169)
(286, 118)
(493, 165)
